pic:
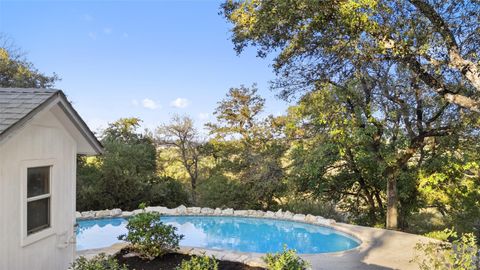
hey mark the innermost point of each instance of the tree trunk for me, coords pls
(392, 204)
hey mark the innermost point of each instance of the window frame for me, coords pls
(26, 238)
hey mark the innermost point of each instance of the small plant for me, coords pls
(460, 254)
(199, 263)
(99, 262)
(286, 260)
(149, 237)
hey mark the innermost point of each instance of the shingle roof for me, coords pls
(17, 103)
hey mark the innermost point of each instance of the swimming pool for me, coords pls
(242, 234)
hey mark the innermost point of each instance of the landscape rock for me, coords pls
(116, 212)
(228, 211)
(182, 209)
(288, 215)
(241, 213)
(207, 211)
(193, 210)
(299, 217)
(217, 211)
(78, 215)
(138, 211)
(127, 214)
(88, 214)
(269, 214)
(311, 218)
(279, 214)
(325, 222)
(102, 213)
(259, 213)
(159, 209)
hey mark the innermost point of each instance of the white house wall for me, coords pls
(43, 138)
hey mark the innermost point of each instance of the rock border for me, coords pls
(205, 211)
(251, 259)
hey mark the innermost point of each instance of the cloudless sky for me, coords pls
(148, 59)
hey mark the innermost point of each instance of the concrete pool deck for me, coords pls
(379, 249)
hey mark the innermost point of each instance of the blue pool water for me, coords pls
(228, 233)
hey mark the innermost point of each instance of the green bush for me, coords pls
(219, 191)
(199, 263)
(168, 192)
(460, 254)
(444, 235)
(99, 262)
(286, 260)
(149, 237)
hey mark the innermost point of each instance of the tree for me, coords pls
(181, 134)
(325, 40)
(16, 71)
(352, 140)
(330, 42)
(124, 174)
(247, 147)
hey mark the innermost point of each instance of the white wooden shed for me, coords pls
(40, 137)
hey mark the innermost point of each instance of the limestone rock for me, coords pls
(127, 214)
(138, 211)
(102, 213)
(241, 213)
(158, 209)
(88, 214)
(181, 210)
(288, 215)
(228, 212)
(269, 214)
(116, 212)
(311, 218)
(78, 215)
(299, 217)
(259, 213)
(217, 212)
(193, 210)
(206, 211)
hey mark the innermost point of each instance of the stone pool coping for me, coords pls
(378, 249)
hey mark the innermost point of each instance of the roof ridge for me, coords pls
(28, 90)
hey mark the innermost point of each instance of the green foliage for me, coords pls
(149, 237)
(199, 263)
(181, 136)
(247, 148)
(123, 174)
(286, 260)
(220, 191)
(99, 262)
(374, 79)
(167, 192)
(461, 254)
(445, 235)
(15, 71)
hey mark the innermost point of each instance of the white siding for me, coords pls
(43, 138)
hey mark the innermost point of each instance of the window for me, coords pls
(38, 199)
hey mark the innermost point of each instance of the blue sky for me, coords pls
(148, 59)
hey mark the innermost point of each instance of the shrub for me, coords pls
(99, 262)
(460, 254)
(167, 192)
(199, 263)
(149, 237)
(286, 260)
(219, 191)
